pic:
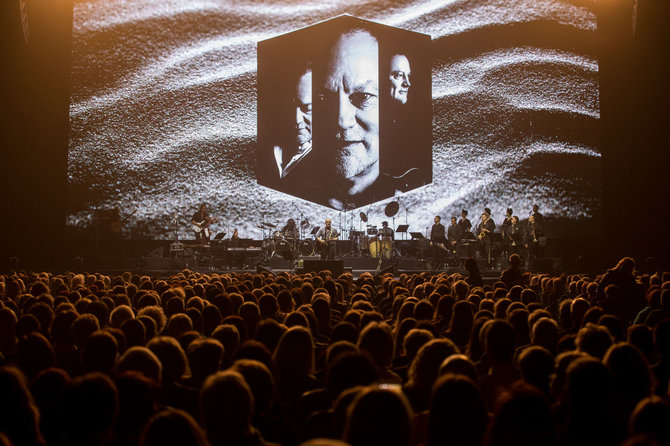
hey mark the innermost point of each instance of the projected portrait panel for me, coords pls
(354, 155)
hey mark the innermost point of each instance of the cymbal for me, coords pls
(269, 225)
(391, 209)
(304, 224)
(363, 217)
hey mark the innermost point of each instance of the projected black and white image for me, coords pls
(334, 136)
(257, 110)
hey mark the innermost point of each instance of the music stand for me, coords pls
(402, 228)
(315, 229)
(416, 235)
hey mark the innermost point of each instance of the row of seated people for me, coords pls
(253, 359)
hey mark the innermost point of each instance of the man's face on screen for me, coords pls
(303, 108)
(399, 77)
(350, 93)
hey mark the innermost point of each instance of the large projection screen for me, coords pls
(164, 114)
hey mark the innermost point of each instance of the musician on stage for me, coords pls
(290, 231)
(201, 221)
(437, 242)
(532, 238)
(515, 236)
(325, 239)
(485, 227)
(464, 223)
(454, 236)
(385, 231)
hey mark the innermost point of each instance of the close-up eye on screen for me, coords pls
(267, 111)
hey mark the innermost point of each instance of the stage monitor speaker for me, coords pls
(334, 266)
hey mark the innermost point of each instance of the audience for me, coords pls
(255, 359)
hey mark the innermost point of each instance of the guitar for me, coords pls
(323, 245)
(203, 226)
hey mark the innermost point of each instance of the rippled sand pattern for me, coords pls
(163, 109)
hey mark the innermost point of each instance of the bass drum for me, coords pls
(306, 248)
(277, 235)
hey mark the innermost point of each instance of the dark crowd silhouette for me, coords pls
(252, 359)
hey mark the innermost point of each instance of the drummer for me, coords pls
(290, 230)
(385, 231)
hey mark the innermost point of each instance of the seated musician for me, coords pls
(290, 230)
(325, 240)
(385, 231)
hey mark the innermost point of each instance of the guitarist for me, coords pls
(325, 240)
(201, 221)
(437, 242)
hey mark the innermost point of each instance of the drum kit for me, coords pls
(371, 241)
(286, 245)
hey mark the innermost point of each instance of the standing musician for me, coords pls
(454, 236)
(437, 242)
(485, 227)
(515, 236)
(504, 228)
(532, 238)
(325, 239)
(464, 223)
(201, 221)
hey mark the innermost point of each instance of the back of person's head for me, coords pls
(173, 427)
(523, 417)
(588, 386)
(177, 325)
(91, 403)
(414, 340)
(269, 332)
(226, 405)
(294, 357)
(121, 314)
(259, 378)
(537, 365)
(500, 341)
(204, 358)
(211, 318)
(135, 332)
(19, 415)
(457, 412)
(379, 416)
(138, 397)
(229, 337)
(650, 417)
(171, 355)
(347, 370)
(459, 364)
(545, 333)
(630, 371)
(594, 340)
(425, 368)
(251, 315)
(377, 341)
(34, 354)
(344, 331)
(100, 352)
(662, 338)
(156, 313)
(143, 360)
(83, 327)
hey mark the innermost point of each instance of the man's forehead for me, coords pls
(354, 62)
(400, 63)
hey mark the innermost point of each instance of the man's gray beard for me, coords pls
(349, 163)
